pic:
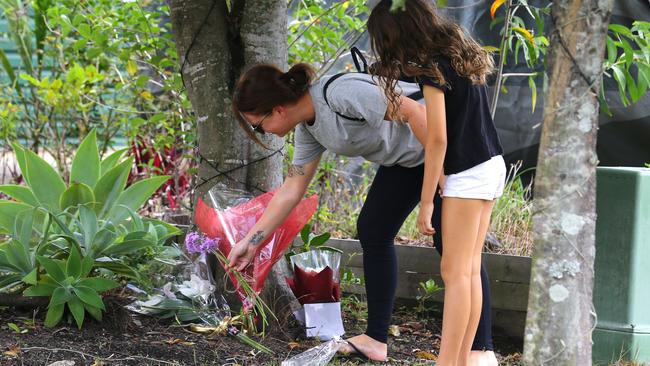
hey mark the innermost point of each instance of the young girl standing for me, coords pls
(461, 144)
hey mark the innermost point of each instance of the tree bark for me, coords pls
(215, 46)
(560, 309)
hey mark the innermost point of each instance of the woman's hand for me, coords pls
(241, 255)
(424, 218)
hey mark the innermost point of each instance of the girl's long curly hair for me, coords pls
(409, 41)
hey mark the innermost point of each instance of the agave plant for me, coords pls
(69, 283)
(92, 218)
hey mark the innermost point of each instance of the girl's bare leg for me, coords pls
(477, 290)
(461, 221)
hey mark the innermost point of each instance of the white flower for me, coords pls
(196, 287)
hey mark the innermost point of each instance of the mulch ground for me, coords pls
(124, 338)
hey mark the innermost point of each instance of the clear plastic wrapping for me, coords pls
(228, 216)
(316, 276)
(188, 296)
(320, 355)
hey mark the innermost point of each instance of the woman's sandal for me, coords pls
(358, 353)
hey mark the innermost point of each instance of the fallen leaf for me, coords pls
(424, 355)
(97, 363)
(293, 345)
(393, 330)
(411, 327)
(173, 341)
(14, 351)
(422, 334)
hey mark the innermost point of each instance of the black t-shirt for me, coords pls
(471, 136)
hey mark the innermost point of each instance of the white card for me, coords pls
(300, 316)
(324, 320)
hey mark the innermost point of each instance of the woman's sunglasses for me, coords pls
(257, 127)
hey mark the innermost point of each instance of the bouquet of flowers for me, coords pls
(230, 216)
(316, 284)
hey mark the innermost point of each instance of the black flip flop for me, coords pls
(358, 353)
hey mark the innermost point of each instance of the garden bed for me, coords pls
(124, 338)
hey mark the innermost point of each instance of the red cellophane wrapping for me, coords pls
(233, 215)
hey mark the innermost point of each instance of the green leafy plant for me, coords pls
(16, 328)
(93, 215)
(319, 32)
(310, 241)
(97, 64)
(348, 278)
(18, 262)
(351, 304)
(354, 307)
(627, 59)
(69, 283)
(628, 53)
(426, 291)
(100, 185)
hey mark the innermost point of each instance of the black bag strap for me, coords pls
(358, 59)
(327, 84)
(416, 95)
(361, 65)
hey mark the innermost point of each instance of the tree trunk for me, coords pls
(219, 45)
(560, 309)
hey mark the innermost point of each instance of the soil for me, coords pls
(124, 338)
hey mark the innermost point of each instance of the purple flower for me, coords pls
(192, 242)
(197, 243)
(209, 244)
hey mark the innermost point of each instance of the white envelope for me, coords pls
(324, 320)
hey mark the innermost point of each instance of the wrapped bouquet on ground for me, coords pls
(316, 285)
(230, 214)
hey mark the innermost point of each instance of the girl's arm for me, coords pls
(434, 154)
(285, 199)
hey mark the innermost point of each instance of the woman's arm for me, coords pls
(435, 148)
(415, 115)
(285, 199)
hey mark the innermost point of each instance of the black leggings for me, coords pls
(394, 193)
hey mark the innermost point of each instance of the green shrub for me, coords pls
(60, 233)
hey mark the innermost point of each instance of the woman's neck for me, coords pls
(303, 110)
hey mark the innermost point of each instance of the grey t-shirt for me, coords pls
(376, 139)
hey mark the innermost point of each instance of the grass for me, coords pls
(512, 216)
(511, 221)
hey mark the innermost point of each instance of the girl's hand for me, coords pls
(241, 255)
(424, 218)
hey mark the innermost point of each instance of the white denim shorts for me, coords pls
(484, 181)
